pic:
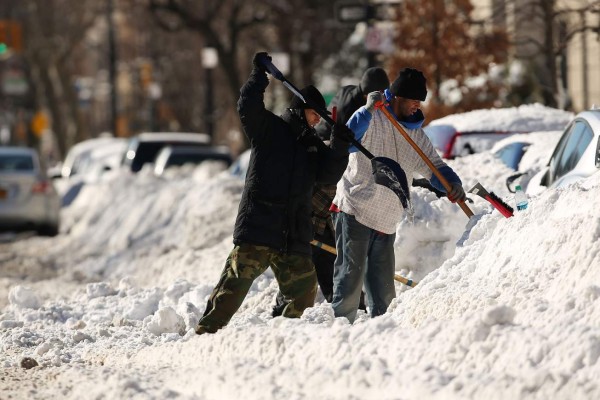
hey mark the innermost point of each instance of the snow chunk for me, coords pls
(23, 297)
(100, 289)
(166, 320)
(499, 315)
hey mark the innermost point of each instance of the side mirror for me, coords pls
(54, 172)
(511, 179)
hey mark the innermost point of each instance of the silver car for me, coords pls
(28, 199)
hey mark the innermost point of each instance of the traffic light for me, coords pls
(10, 36)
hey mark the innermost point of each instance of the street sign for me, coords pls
(351, 12)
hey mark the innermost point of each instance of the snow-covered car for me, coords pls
(525, 152)
(88, 154)
(476, 131)
(144, 147)
(28, 199)
(575, 157)
(87, 162)
(176, 156)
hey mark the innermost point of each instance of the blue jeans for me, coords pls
(363, 256)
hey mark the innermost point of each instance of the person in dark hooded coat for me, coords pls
(273, 226)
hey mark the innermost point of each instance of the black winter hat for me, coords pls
(410, 84)
(374, 80)
(309, 92)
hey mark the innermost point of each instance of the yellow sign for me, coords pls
(39, 123)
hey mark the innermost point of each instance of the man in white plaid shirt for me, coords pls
(366, 214)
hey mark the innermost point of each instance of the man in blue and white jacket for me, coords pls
(366, 214)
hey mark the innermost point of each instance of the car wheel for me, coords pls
(48, 230)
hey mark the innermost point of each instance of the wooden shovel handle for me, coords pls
(332, 250)
(432, 167)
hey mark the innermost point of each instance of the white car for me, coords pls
(476, 131)
(28, 199)
(88, 154)
(575, 157)
(87, 162)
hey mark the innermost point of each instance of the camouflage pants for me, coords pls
(295, 274)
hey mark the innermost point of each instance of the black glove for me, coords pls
(342, 132)
(457, 193)
(257, 60)
(309, 138)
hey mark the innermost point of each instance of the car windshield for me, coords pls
(16, 162)
(569, 150)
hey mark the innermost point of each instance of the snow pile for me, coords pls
(505, 308)
(525, 118)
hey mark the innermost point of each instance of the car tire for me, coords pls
(48, 230)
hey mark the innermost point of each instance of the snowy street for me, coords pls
(506, 308)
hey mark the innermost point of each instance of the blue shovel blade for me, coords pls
(388, 173)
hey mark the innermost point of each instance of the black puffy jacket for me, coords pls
(347, 100)
(276, 205)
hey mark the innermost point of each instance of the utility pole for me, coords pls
(369, 17)
(112, 70)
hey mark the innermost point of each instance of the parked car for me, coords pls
(28, 199)
(106, 152)
(144, 147)
(476, 131)
(575, 157)
(176, 156)
(87, 162)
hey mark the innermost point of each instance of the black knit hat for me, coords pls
(374, 80)
(309, 92)
(410, 84)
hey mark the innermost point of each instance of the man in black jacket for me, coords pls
(273, 226)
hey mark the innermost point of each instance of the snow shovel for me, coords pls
(330, 249)
(386, 171)
(432, 167)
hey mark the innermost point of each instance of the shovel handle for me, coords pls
(272, 69)
(332, 250)
(432, 167)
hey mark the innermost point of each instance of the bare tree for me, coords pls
(238, 28)
(52, 31)
(437, 37)
(543, 30)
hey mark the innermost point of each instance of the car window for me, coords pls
(512, 153)
(570, 149)
(19, 162)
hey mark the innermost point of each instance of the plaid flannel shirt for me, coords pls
(321, 201)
